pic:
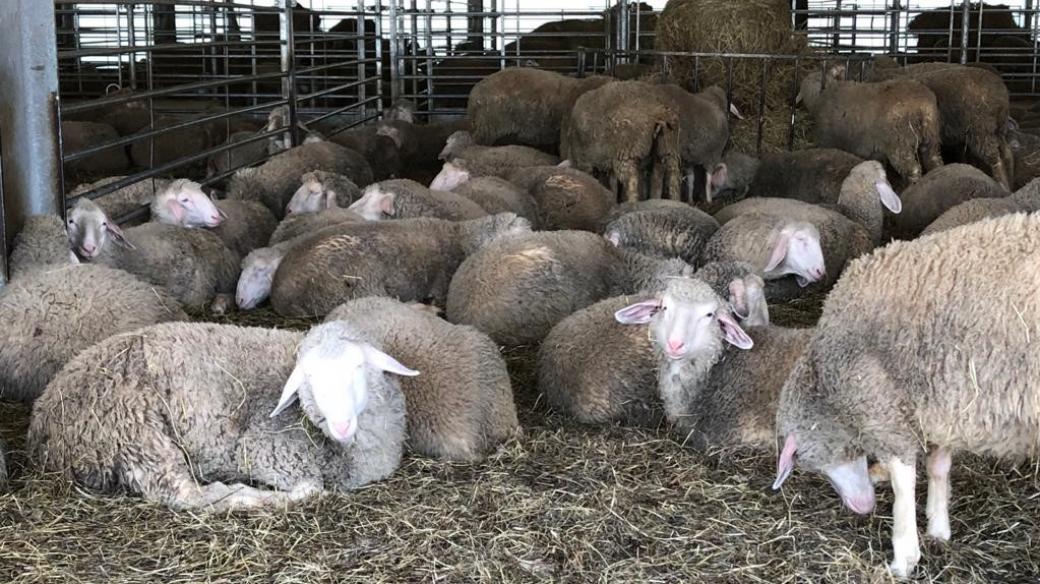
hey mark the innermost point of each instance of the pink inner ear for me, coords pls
(175, 209)
(614, 237)
(386, 204)
(889, 198)
(720, 176)
(638, 313)
(785, 463)
(779, 251)
(738, 297)
(330, 200)
(733, 333)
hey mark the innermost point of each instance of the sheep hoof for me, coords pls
(222, 304)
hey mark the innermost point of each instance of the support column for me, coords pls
(289, 67)
(28, 115)
(475, 25)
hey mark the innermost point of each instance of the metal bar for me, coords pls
(965, 26)
(289, 68)
(29, 119)
(395, 72)
(893, 28)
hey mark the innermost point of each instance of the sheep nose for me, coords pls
(342, 429)
(674, 346)
(88, 248)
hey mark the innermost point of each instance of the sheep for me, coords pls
(407, 199)
(620, 127)
(474, 160)
(169, 411)
(741, 170)
(43, 241)
(497, 195)
(703, 134)
(419, 144)
(681, 232)
(566, 198)
(53, 312)
(598, 371)
(274, 182)
(973, 107)
(779, 245)
(194, 265)
(462, 403)
(715, 396)
(250, 151)
(248, 225)
(525, 106)
(409, 259)
(1025, 200)
(864, 194)
(322, 190)
(125, 200)
(516, 289)
(380, 151)
(895, 121)
(813, 175)
(937, 192)
(1025, 150)
(79, 136)
(906, 356)
(297, 224)
(172, 145)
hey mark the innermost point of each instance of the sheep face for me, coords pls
(184, 203)
(254, 284)
(455, 143)
(796, 250)
(375, 204)
(332, 379)
(450, 177)
(688, 321)
(747, 297)
(89, 229)
(311, 197)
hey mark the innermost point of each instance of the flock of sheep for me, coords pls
(644, 309)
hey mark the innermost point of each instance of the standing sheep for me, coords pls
(380, 151)
(322, 190)
(1025, 200)
(169, 411)
(896, 121)
(410, 259)
(274, 182)
(566, 198)
(407, 199)
(938, 191)
(525, 106)
(619, 129)
(462, 403)
(813, 175)
(703, 135)
(79, 136)
(906, 357)
(472, 160)
(497, 195)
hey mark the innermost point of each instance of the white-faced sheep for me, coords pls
(894, 121)
(526, 106)
(516, 289)
(322, 190)
(410, 259)
(461, 404)
(566, 198)
(620, 128)
(937, 192)
(598, 371)
(170, 411)
(906, 357)
(125, 200)
(713, 395)
(497, 195)
(1025, 200)
(407, 199)
(468, 160)
(274, 182)
(194, 265)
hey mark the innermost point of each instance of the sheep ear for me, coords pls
(117, 235)
(565, 164)
(720, 175)
(330, 199)
(290, 392)
(733, 333)
(779, 251)
(889, 198)
(385, 203)
(738, 298)
(176, 209)
(613, 237)
(837, 72)
(785, 463)
(220, 212)
(384, 362)
(736, 112)
(638, 313)
(798, 98)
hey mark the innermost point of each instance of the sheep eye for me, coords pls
(71, 222)
(711, 315)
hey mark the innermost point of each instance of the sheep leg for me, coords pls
(905, 545)
(1009, 160)
(615, 186)
(938, 506)
(656, 180)
(988, 149)
(931, 157)
(628, 174)
(218, 497)
(674, 179)
(222, 304)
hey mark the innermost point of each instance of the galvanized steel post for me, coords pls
(29, 114)
(289, 66)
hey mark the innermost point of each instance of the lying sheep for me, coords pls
(125, 200)
(322, 190)
(52, 309)
(715, 396)
(525, 106)
(171, 411)
(1025, 200)
(42, 242)
(274, 182)
(462, 403)
(497, 195)
(598, 371)
(1025, 151)
(741, 170)
(79, 136)
(380, 151)
(297, 224)
(781, 246)
(896, 121)
(407, 199)
(193, 265)
(939, 191)
(409, 259)
(473, 160)
(703, 134)
(973, 106)
(618, 129)
(665, 232)
(516, 289)
(813, 175)
(884, 377)
(566, 198)
(247, 225)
